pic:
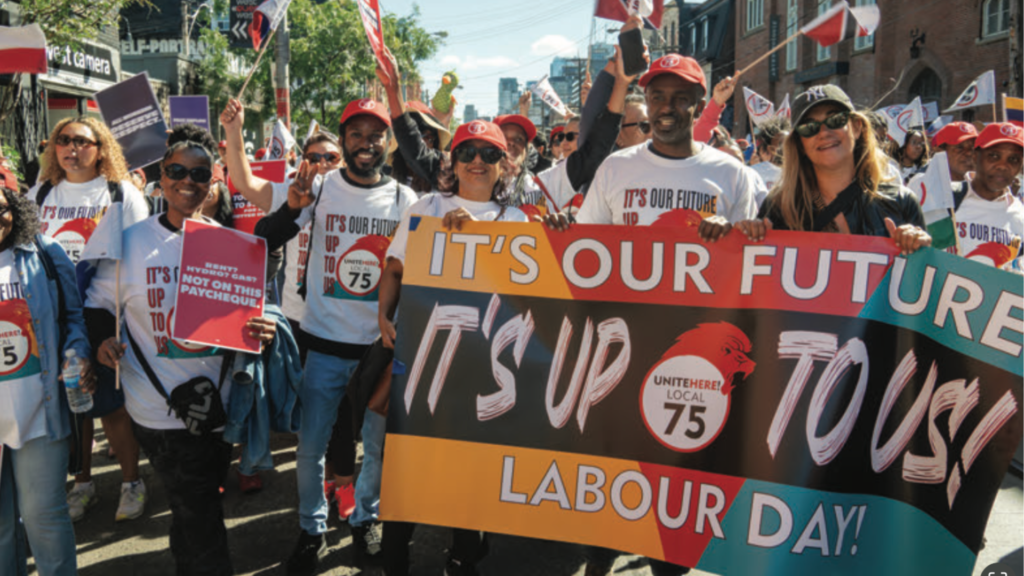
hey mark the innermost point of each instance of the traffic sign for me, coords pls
(241, 16)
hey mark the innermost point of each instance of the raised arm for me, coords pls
(256, 190)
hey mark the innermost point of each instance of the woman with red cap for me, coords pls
(477, 151)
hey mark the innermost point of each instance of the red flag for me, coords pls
(842, 22)
(619, 10)
(22, 49)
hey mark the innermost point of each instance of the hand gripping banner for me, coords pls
(803, 405)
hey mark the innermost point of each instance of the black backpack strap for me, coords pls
(43, 192)
(145, 365)
(116, 192)
(312, 228)
(843, 201)
(959, 194)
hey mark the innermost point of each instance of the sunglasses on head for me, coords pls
(644, 126)
(199, 174)
(489, 154)
(80, 142)
(316, 157)
(833, 122)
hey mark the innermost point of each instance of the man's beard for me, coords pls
(374, 170)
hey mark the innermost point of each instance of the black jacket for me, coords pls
(866, 214)
(419, 157)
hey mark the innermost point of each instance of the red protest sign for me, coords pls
(369, 10)
(223, 274)
(244, 214)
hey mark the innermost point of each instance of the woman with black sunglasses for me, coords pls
(191, 467)
(477, 151)
(85, 172)
(832, 178)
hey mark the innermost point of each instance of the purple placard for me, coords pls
(190, 110)
(134, 116)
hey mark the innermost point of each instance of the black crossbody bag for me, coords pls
(197, 402)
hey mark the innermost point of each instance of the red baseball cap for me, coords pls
(366, 106)
(998, 133)
(521, 121)
(261, 153)
(480, 130)
(954, 133)
(556, 130)
(222, 144)
(683, 66)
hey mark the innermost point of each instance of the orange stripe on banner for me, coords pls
(543, 494)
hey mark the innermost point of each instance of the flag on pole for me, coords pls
(934, 191)
(266, 19)
(759, 108)
(281, 141)
(1013, 110)
(930, 110)
(842, 22)
(784, 110)
(314, 127)
(937, 125)
(981, 92)
(910, 118)
(545, 92)
(22, 49)
(620, 10)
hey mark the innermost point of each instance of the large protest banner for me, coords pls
(133, 114)
(223, 275)
(788, 407)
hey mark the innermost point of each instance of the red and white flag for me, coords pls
(266, 19)
(620, 10)
(547, 94)
(784, 110)
(759, 108)
(369, 11)
(842, 22)
(22, 49)
(981, 92)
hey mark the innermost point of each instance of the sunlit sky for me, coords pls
(488, 40)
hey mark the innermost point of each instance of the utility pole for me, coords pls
(284, 54)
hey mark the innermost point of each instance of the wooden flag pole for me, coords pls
(117, 325)
(765, 55)
(256, 65)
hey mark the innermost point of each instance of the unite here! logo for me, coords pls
(671, 61)
(477, 128)
(1009, 130)
(367, 104)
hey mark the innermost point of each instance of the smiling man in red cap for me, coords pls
(956, 139)
(989, 218)
(354, 212)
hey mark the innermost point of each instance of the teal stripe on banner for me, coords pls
(969, 307)
(892, 539)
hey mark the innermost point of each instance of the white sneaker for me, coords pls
(133, 501)
(81, 498)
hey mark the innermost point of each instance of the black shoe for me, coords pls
(307, 554)
(367, 540)
(454, 567)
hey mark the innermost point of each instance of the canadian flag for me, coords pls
(620, 10)
(22, 49)
(842, 22)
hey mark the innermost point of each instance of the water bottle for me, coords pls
(79, 400)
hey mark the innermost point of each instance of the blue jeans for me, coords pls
(323, 386)
(32, 489)
(368, 485)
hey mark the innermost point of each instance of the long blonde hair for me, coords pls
(794, 195)
(110, 163)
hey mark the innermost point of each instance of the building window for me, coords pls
(927, 85)
(792, 24)
(704, 34)
(693, 39)
(995, 16)
(672, 36)
(823, 53)
(755, 13)
(863, 42)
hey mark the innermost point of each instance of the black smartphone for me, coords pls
(632, 44)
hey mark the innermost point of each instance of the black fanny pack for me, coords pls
(197, 402)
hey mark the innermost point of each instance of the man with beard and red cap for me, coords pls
(989, 218)
(354, 212)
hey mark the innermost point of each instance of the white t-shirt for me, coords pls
(149, 282)
(296, 252)
(556, 181)
(350, 237)
(438, 204)
(72, 211)
(990, 231)
(636, 187)
(22, 411)
(770, 174)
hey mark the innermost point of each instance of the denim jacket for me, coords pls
(41, 296)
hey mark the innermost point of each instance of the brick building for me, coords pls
(935, 48)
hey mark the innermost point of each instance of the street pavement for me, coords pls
(262, 528)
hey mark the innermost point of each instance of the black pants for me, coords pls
(192, 470)
(341, 449)
(468, 547)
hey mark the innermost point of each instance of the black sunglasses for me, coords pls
(570, 136)
(557, 138)
(833, 122)
(64, 140)
(316, 157)
(644, 126)
(199, 174)
(489, 154)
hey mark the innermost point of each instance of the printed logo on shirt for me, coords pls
(300, 267)
(76, 225)
(19, 350)
(667, 200)
(161, 282)
(358, 271)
